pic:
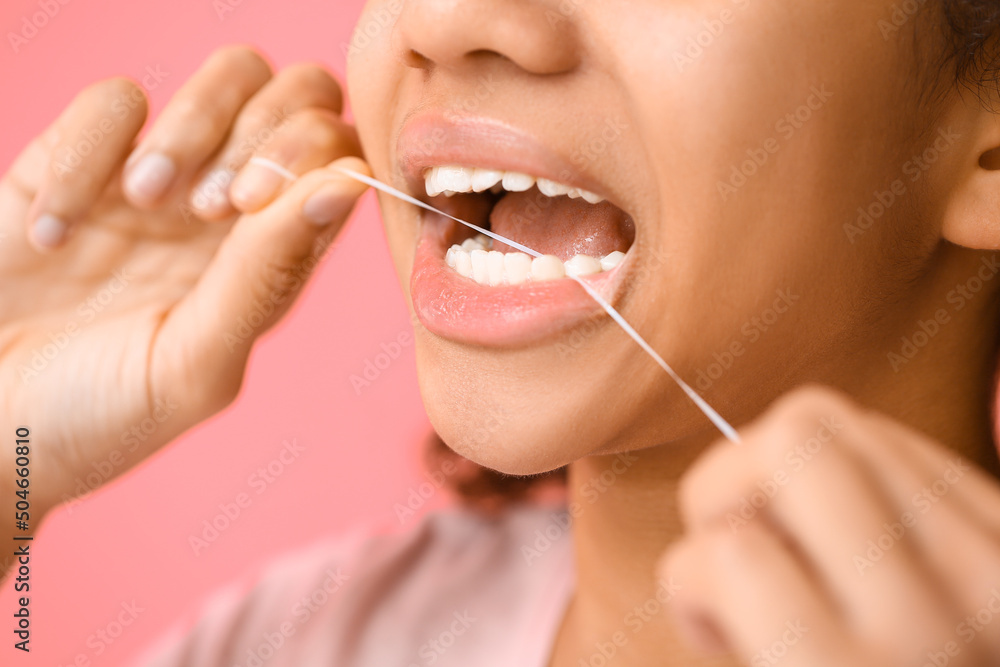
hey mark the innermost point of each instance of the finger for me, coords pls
(89, 142)
(829, 507)
(756, 597)
(193, 125)
(946, 514)
(945, 507)
(254, 277)
(941, 472)
(310, 139)
(295, 88)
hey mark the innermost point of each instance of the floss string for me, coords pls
(713, 416)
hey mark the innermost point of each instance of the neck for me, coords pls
(626, 505)
(626, 515)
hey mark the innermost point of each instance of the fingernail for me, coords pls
(256, 185)
(211, 195)
(48, 230)
(150, 177)
(327, 204)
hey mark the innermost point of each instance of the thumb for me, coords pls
(252, 281)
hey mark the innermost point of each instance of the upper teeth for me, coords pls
(453, 180)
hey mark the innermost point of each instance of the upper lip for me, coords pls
(434, 139)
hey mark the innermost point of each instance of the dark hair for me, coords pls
(484, 489)
(972, 29)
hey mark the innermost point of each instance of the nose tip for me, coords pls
(533, 35)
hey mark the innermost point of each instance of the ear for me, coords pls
(972, 209)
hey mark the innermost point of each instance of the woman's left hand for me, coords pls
(836, 536)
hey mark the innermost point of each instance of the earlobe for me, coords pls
(971, 216)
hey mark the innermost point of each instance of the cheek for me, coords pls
(402, 227)
(373, 79)
(766, 133)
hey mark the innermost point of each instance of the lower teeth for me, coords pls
(474, 259)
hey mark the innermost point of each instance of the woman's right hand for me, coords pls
(131, 295)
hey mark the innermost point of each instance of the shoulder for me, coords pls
(338, 601)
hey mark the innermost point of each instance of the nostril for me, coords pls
(453, 34)
(416, 60)
(990, 160)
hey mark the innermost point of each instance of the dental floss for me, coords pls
(713, 416)
(274, 166)
(389, 190)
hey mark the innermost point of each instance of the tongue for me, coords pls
(561, 226)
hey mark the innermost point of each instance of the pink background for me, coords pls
(129, 541)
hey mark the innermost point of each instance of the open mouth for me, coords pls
(472, 289)
(577, 231)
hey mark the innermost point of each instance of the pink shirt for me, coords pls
(458, 589)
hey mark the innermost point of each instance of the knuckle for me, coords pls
(275, 280)
(257, 117)
(104, 94)
(316, 81)
(812, 399)
(241, 57)
(799, 415)
(78, 180)
(728, 550)
(310, 132)
(201, 122)
(319, 125)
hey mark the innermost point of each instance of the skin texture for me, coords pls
(686, 131)
(169, 344)
(708, 265)
(719, 259)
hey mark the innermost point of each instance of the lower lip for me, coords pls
(459, 309)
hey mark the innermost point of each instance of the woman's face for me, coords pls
(740, 145)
